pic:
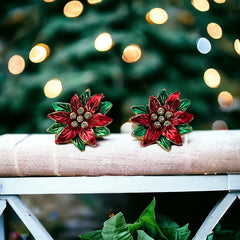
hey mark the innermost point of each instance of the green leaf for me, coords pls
(141, 109)
(183, 129)
(149, 223)
(162, 97)
(164, 143)
(143, 236)
(165, 222)
(184, 104)
(210, 236)
(78, 142)
(101, 131)
(183, 233)
(104, 107)
(56, 128)
(84, 97)
(94, 235)
(115, 228)
(139, 131)
(59, 106)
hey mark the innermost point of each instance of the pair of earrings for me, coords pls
(84, 120)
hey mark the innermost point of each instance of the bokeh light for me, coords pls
(157, 16)
(16, 64)
(53, 88)
(237, 46)
(73, 9)
(212, 78)
(219, 1)
(203, 45)
(225, 99)
(103, 42)
(214, 30)
(201, 5)
(39, 53)
(126, 127)
(219, 125)
(94, 1)
(132, 53)
(48, 1)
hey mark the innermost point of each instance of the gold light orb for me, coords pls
(48, 1)
(212, 78)
(94, 1)
(201, 5)
(132, 53)
(214, 30)
(219, 1)
(237, 46)
(39, 53)
(73, 9)
(103, 42)
(225, 99)
(157, 16)
(16, 64)
(219, 125)
(53, 88)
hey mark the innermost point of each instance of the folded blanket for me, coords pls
(203, 152)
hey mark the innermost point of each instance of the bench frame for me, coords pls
(10, 188)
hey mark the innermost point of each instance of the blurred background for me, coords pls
(128, 50)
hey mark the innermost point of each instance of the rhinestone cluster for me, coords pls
(161, 118)
(81, 119)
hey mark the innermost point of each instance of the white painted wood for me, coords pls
(28, 218)
(3, 205)
(114, 184)
(215, 215)
(2, 229)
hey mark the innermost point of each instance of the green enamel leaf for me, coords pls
(164, 143)
(184, 104)
(183, 129)
(143, 236)
(56, 128)
(94, 235)
(59, 106)
(141, 109)
(139, 131)
(116, 228)
(78, 142)
(162, 97)
(84, 97)
(104, 107)
(101, 131)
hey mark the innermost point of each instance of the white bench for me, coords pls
(33, 164)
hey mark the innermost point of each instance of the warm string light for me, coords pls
(157, 16)
(212, 78)
(16, 64)
(53, 88)
(219, 1)
(94, 1)
(103, 42)
(219, 125)
(237, 46)
(39, 53)
(225, 99)
(214, 30)
(48, 1)
(132, 53)
(201, 5)
(203, 45)
(73, 9)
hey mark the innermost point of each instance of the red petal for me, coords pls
(66, 134)
(172, 102)
(99, 119)
(151, 136)
(94, 102)
(154, 104)
(173, 135)
(88, 136)
(75, 103)
(144, 119)
(181, 118)
(61, 116)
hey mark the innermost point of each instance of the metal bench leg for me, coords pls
(28, 218)
(215, 215)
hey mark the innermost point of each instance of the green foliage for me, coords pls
(79, 143)
(139, 131)
(56, 127)
(101, 131)
(141, 109)
(104, 107)
(165, 143)
(59, 106)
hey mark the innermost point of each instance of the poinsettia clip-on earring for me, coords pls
(81, 121)
(163, 121)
